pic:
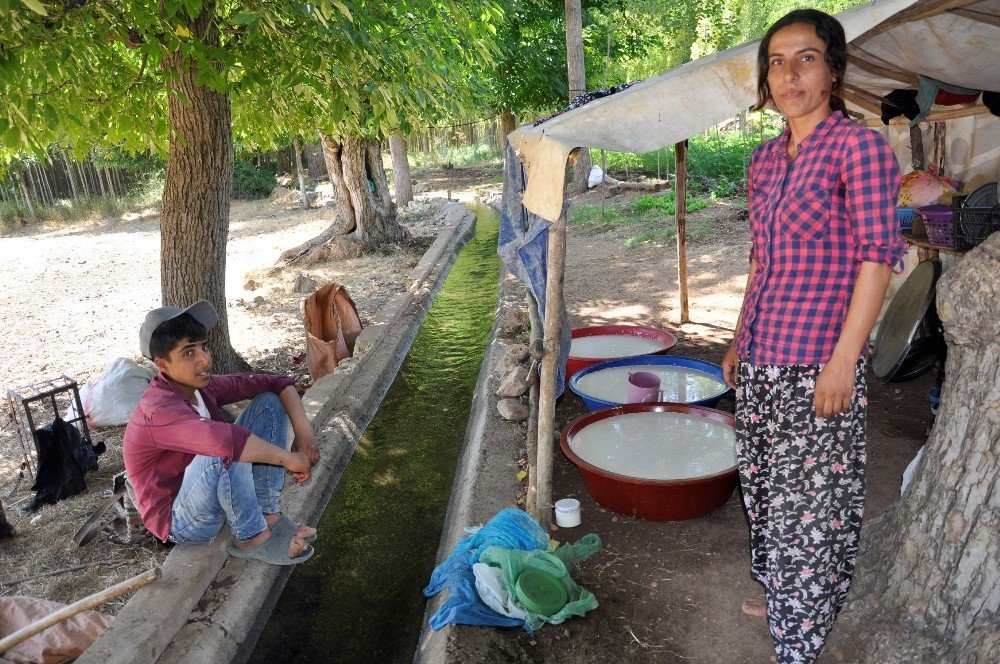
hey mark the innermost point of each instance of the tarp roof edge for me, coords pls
(727, 77)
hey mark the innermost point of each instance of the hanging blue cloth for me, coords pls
(523, 247)
(511, 528)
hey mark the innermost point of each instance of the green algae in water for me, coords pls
(359, 599)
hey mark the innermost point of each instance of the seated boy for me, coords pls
(192, 471)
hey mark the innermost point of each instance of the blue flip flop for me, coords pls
(274, 550)
(292, 527)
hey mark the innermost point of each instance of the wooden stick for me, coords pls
(862, 98)
(879, 70)
(922, 11)
(980, 17)
(638, 186)
(57, 572)
(71, 610)
(555, 269)
(917, 147)
(680, 152)
(531, 442)
(961, 111)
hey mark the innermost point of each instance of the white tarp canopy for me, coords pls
(891, 42)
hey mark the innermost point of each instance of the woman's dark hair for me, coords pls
(168, 333)
(827, 29)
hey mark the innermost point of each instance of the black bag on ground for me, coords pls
(63, 457)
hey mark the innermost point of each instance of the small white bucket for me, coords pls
(567, 512)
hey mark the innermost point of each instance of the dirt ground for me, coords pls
(671, 592)
(73, 297)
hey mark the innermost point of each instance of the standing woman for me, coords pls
(822, 202)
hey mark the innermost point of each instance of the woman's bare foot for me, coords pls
(303, 532)
(755, 606)
(295, 548)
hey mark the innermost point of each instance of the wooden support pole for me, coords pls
(917, 147)
(555, 268)
(531, 441)
(680, 188)
(872, 68)
(862, 99)
(89, 602)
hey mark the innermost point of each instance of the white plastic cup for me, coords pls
(567, 512)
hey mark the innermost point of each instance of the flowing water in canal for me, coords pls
(359, 598)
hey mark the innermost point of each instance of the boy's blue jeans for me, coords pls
(241, 494)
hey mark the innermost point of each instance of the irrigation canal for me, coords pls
(359, 598)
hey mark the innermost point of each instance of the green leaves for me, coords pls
(36, 6)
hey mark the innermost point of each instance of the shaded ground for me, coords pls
(671, 592)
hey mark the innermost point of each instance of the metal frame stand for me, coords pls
(58, 389)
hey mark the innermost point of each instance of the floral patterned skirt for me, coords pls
(803, 480)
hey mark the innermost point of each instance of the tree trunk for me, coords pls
(400, 169)
(374, 212)
(82, 177)
(364, 204)
(930, 563)
(508, 123)
(97, 176)
(300, 173)
(577, 84)
(27, 196)
(194, 225)
(69, 175)
(111, 183)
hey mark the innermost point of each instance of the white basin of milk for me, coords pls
(657, 446)
(613, 345)
(679, 384)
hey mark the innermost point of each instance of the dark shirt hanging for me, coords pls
(63, 457)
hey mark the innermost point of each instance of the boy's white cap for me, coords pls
(202, 311)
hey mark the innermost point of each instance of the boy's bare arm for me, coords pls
(304, 440)
(258, 450)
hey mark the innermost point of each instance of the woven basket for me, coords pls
(938, 223)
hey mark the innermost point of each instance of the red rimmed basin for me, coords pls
(652, 499)
(574, 364)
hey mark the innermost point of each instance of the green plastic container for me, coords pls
(540, 593)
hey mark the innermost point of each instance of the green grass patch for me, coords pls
(592, 214)
(717, 161)
(666, 203)
(459, 156)
(667, 233)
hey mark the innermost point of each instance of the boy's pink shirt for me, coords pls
(165, 432)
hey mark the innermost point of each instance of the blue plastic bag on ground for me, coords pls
(511, 528)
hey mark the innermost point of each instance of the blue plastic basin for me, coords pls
(595, 404)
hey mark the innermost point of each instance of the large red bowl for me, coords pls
(574, 364)
(654, 500)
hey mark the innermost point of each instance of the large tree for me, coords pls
(928, 586)
(416, 63)
(178, 76)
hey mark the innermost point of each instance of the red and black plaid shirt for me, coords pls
(813, 221)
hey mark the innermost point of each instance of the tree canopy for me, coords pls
(84, 73)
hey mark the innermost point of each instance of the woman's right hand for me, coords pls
(730, 366)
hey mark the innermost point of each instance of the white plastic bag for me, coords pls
(596, 177)
(110, 397)
(489, 585)
(911, 468)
